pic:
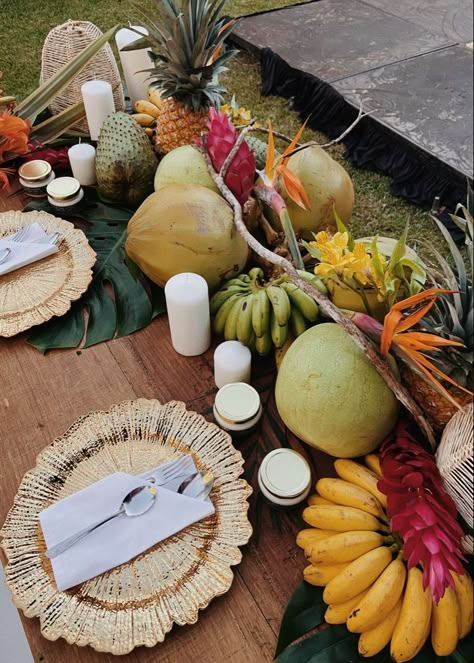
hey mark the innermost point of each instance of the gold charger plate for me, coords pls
(136, 603)
(35, 293)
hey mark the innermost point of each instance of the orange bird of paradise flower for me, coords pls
(290, 179)
(411, 344)
(14, 134)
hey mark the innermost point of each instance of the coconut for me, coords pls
(184, 165)
(331, 396)
(326, 183)
(186, 228)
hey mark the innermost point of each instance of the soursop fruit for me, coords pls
(125, 161)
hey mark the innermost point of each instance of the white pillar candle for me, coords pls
(82, 160)
(133, 63)
(99, 103)
(187, 301)
(232, 362)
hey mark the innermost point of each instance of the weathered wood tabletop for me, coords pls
(41, 396)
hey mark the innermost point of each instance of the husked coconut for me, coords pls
(186, 228)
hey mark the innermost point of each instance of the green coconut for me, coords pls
(184, 165)
(326, 183)
(331, 396)
(186, 228)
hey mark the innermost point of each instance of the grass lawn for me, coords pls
(27, 23)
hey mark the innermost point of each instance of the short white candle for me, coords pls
(82, 160)
(232, 363)
(133, 63)
(99, 103)
(187, 301)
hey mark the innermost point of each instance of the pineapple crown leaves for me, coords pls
(187, 51)
(453, 314)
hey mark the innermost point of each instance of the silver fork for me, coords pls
(171, 472)
(20, 235)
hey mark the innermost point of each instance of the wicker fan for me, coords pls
(61, 45)
(456, 464)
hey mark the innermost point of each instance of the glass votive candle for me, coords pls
(35, 176)
(284, 478)
(232, 363)
(237, 408)
(64, 193)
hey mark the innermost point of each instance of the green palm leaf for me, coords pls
(118, 301)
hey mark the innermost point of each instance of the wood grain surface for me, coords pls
(41, 396)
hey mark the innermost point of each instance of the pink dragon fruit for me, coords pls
(220, 140)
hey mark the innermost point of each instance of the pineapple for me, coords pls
(451, 317)
(187, 63)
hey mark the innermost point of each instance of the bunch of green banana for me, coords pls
(260, 315)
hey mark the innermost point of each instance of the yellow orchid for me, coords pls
(358, 267)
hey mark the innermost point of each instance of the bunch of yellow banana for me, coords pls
(359, 562)
(261, 315)
(147, 110)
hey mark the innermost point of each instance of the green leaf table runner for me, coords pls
(335, 644)
(119, 300)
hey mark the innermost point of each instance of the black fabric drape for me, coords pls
(413, 174)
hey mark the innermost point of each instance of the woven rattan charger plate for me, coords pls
(35, 293)
(138, 602)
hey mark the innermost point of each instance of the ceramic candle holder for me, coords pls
(65, 193)
(35, 176)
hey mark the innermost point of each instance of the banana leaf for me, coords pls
(335, 644)
(37, 101)
(119, 300)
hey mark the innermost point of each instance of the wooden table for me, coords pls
(41, 396)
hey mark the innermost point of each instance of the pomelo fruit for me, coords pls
(185, 228)
(331, 396)
(184, 165)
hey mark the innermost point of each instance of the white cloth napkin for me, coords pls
(122, 538)
(35, 245)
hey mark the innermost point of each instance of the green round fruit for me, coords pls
(326, 183)
(184, 228)
(331, 396)
(184, 165)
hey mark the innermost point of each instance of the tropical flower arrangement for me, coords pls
(383, 539)
(343, 262)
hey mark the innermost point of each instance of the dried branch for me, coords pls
(230, 157)
(299, 146)
(326, 306)
(276, 134)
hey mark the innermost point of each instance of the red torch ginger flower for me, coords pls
(220, 140)
(421, 511)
